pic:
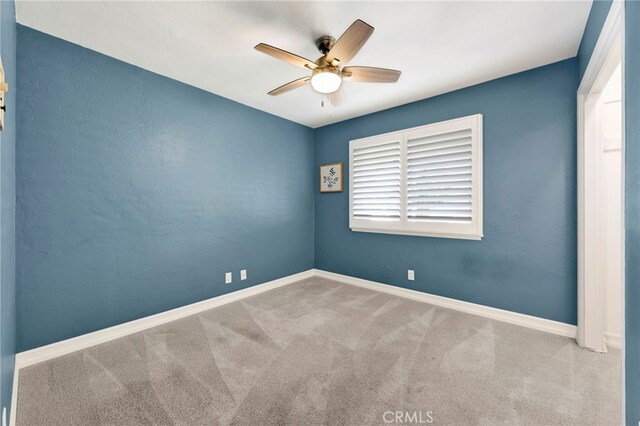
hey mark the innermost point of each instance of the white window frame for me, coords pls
(469, 231)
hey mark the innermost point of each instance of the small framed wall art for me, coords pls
(331, 177)
(4, 87)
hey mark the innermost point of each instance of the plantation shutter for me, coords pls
(421, 181)
(439, 177)
(376, 172)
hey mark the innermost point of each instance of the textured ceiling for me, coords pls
(439, 46)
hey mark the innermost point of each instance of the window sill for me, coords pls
(475, 237)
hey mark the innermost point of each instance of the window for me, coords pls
(422, 181)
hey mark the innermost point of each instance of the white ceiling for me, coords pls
(439, 46)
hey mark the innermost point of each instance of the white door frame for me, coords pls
(607, 54)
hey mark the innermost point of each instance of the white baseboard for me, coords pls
(613, 340)
(44, 353)
(536, 323)
(14, 397)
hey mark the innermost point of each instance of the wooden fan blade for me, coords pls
(350, 43)
(336, 98)
(290, 86)
(370, 74)
(283, 55)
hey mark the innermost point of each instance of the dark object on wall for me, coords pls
(4, 87)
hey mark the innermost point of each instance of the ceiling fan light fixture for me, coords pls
(326, 80)
(328, 70)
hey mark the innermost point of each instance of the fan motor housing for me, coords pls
(325, 43)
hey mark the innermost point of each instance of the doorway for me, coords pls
(600, 192)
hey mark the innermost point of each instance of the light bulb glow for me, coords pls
(326, 81)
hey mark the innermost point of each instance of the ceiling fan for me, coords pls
(329, 70)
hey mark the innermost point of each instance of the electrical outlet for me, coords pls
(228, 277)
(411, 276)
(243, 274)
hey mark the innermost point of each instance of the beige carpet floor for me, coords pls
(321, 352)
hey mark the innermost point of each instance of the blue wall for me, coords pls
(8, 206)
(597, 16)
(136, 193)
(632, 211)
(527, 259)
